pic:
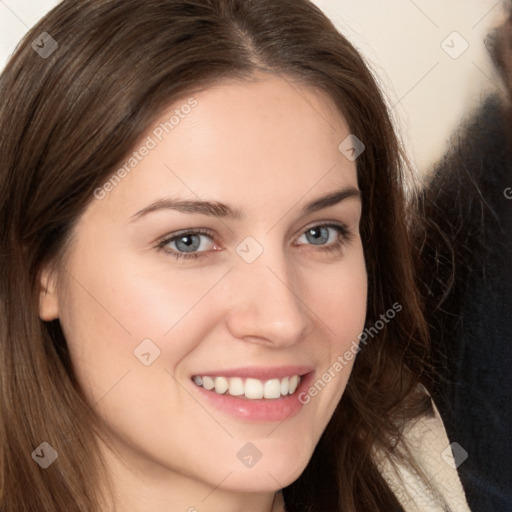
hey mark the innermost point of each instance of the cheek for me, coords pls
(154, 299)
(338, 296)
(339, 300)
(112, 305)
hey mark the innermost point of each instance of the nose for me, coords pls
(267, 302)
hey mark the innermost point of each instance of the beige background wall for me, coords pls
(429, 83)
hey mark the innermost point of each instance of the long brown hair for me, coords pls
(70, 116)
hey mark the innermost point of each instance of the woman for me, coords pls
(202, 224)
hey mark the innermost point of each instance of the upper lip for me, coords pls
(259, 372)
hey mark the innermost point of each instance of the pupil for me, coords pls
(318, 235)
(188, 243)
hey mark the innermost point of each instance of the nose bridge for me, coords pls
(266, 301)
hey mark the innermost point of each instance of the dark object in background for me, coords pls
(467, 257)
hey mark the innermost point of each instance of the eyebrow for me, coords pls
(218, 209)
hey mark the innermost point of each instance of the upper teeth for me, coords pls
(250, 388)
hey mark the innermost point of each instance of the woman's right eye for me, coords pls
(188, 244)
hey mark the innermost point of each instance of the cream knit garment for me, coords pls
(428, 442)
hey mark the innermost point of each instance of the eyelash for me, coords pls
(344, 236)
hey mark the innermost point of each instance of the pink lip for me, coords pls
(263, 410)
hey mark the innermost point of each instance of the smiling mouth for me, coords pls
(252, 389)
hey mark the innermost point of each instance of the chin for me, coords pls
(275, 471)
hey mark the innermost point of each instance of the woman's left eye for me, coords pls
(328, 237)
(325, 234)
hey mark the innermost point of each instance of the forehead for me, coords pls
(243, 142)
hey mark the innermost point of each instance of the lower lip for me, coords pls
(262, 410)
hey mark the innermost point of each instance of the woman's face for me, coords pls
(205, 264)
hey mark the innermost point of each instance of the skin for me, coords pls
(267, 149)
